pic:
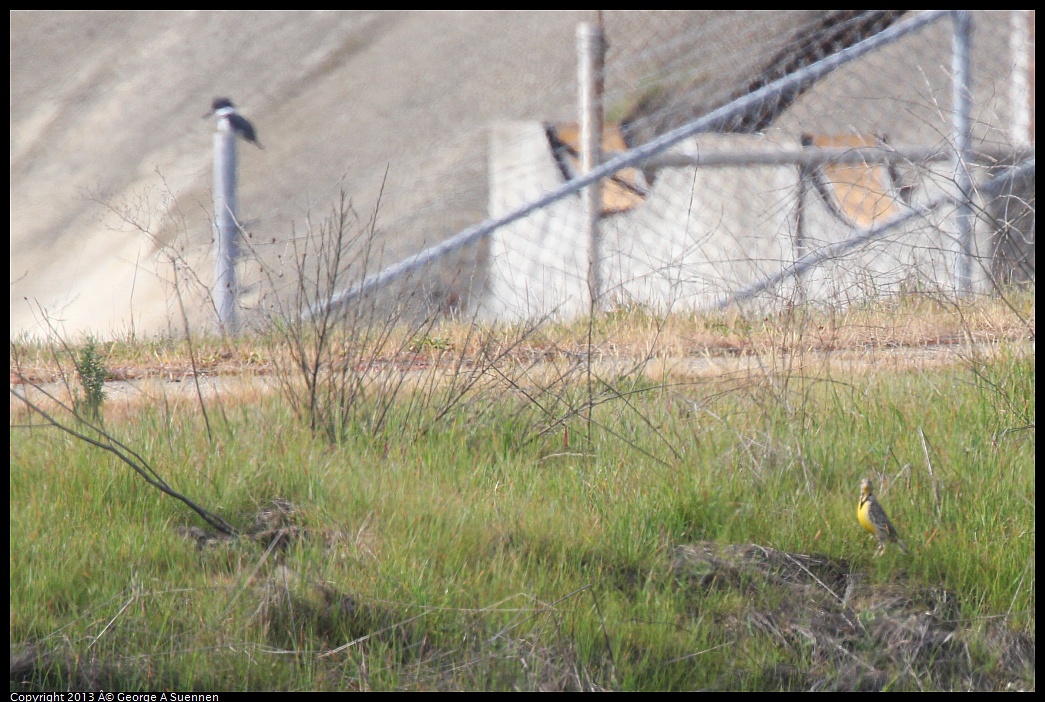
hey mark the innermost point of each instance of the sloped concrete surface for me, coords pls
(111, 161)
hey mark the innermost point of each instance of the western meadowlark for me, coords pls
(874, 519)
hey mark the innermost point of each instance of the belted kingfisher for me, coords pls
(228, 118)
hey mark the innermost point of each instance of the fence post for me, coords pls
(591, 51)
(1021, 85)
(961, 67)
(225, 290)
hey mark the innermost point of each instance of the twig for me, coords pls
(101, 633)
(929, 467)
(126, 454)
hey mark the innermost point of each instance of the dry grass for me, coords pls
(916, 333)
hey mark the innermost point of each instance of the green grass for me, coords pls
(486, 550)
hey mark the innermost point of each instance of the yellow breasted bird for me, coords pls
(873, 518)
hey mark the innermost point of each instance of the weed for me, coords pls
(92, 373)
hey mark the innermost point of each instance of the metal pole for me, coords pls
(864, 155)
(590, 54)
(961, 66)
(225, 288)
(1021, 85)
(801, 247)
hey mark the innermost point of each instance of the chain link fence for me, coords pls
(772, 156)
(764, 197)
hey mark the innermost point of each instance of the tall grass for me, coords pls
(507, 540)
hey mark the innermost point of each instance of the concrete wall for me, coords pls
(704, 233)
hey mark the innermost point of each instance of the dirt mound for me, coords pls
(855, 635)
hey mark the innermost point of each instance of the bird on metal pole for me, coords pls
(228, 118)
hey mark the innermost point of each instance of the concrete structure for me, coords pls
(110, 208)
(705, 233)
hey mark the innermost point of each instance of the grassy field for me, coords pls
(639, 503)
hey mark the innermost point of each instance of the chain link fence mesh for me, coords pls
(674, 233)
(693, 235)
